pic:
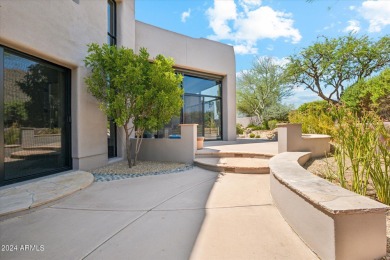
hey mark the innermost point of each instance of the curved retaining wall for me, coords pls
(334, 222)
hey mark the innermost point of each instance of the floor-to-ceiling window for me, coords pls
(203, 106)
(34, 117)
(111, 39)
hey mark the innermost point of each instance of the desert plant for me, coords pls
(272, 124)
(252, 135)
(257, 136)
(356, 138)
(12, 135)
(313, 123)
(239, 129)
(380, 167)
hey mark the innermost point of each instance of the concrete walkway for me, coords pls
(197, 214)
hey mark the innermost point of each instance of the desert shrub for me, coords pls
(384, 107)
(252, 135)
(272, 124)
(371, 94)
(239, 129)
(315, 118)
(356, 135)
(12, 135)
(257, 136)
(254, 127)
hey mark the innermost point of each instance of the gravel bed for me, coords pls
(120, 170)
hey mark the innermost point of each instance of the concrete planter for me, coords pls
(199, 142)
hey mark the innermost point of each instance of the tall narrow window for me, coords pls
(111, 39)
(111, 22)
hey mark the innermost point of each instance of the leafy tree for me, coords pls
(371, 94)
(14, 113)
(261, 87)
(335, 63)
(138, 94)
(39, 84)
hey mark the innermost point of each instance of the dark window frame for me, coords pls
(67, 117)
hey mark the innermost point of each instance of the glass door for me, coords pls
(212, 118)
(35, 118)
(193, 111)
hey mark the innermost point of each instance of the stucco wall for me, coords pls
(59, 31)
(197, 55)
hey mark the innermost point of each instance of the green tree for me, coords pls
(370, 94)
(136, 93)
(261, 88)
(335, 63)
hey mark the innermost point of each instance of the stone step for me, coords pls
(234, 165)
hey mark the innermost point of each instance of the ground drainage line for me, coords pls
(116, 233)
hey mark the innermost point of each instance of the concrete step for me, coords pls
(234, 165)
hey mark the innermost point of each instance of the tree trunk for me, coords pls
(128, 147)
(138, 144)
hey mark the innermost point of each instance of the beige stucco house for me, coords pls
(50, 123)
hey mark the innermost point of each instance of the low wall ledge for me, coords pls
(286, 168)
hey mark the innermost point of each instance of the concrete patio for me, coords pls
(196, 214)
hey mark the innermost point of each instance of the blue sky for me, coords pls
(268, 27)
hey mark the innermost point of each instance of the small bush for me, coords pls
(12, 135)
(315, 118)
(239, 129)
(272, 124)
(252, 135)
(257, 136)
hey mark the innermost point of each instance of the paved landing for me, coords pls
(34, 193)
(197, 214)
(232, 164)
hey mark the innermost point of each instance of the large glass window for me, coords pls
(35, 119)
(202, 106)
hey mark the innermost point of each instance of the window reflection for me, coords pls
(202, 106)
(34, 117)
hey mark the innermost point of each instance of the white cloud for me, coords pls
(353, 26)
(352, 7)
(377, 13)
(245, 49)
(248, 22)
(185, 15)
(219, 16)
